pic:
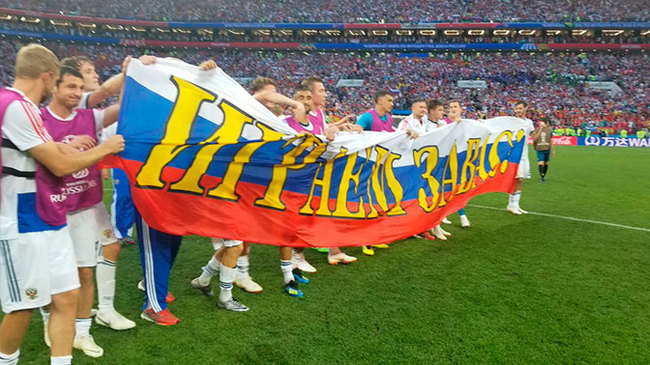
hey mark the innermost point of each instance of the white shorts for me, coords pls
(217, 243)
(523, 171)
(35, 266)
(90, 229)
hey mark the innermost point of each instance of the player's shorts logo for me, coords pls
(31, 293)
(81, 174)
(107, 233)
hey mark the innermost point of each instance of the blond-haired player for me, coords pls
(37, 257)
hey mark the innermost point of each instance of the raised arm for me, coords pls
(276, 98)
(107, 89)
(111, 87)
(110, 114)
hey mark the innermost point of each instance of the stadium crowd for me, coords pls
(553, 82)
(559, 10)
(310, 11)
(296, 36)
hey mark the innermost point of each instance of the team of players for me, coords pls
(48, 264)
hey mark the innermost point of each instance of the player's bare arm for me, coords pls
(61, 164)
(536, 133)
(276, 98)
(350, 127)
(83, 141)
(550, 140)
(109, 88)
(347, 124)
(412, 134)
(331, 131)
(106, 90)
(66, 149)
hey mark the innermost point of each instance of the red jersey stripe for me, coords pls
(36, 122)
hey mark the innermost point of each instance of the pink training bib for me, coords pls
(379, 125)
(312, 128)
(81, 189)
(318, 120)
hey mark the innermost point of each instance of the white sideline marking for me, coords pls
(569, 218)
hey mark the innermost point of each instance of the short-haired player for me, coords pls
(523, 171)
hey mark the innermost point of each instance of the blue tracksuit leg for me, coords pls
(122, 209)
(157, 253)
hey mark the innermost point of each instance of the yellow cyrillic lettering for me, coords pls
(272, 196)
(342, 209)
(431, 153)
(451, 169)
(186, 108)
(468, 170)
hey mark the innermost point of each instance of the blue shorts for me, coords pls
(543, 155)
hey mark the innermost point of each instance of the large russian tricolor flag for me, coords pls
(203, 157)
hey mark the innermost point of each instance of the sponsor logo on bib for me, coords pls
(80, 174)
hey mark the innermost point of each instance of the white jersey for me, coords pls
(419, 126)
(524, 165)
(530, 127)
(108, 132)
(22, 130)
(83, 103)
(441, 123)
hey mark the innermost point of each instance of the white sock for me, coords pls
(82, 327)
(61, 360)
(209, 270)
(105, 285)
(516, 198)
(226, 277)
(297, 256)
(45, 314)
(286, 266)
(511, 199)
(298, 253)
(242, 266)
(11, 359)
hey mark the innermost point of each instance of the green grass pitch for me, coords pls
(509, 290)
